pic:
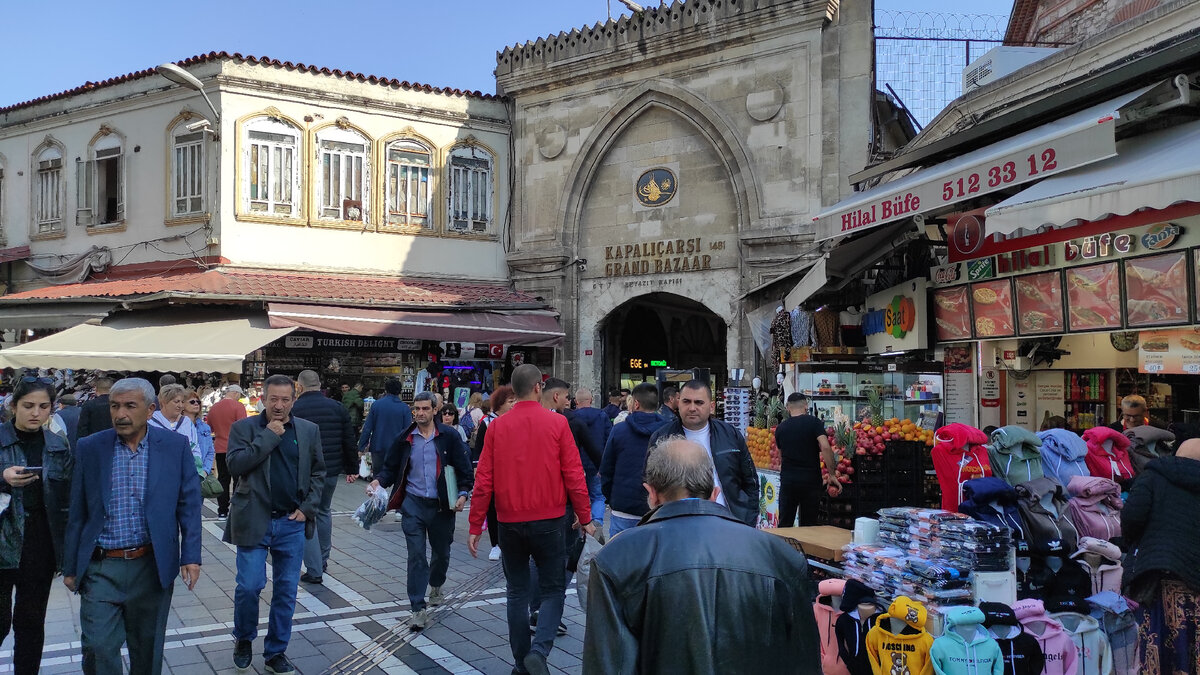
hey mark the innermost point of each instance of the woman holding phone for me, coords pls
(35, 495)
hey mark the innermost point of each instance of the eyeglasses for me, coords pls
(42, 380)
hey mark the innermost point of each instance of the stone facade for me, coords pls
(1067, 22)
(755, 109)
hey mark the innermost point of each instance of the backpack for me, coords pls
(1043, 508)
(1095, 507)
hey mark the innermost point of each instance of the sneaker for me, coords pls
(280, 665)
(436, 596)
(535, 663)
(561, 630)
(222, 516)
(495, 554)
(398, 517)
(310, 579)
(243, 654)
(420, 619)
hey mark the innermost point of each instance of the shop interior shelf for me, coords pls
(1084, 400)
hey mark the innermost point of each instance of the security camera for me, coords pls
(197, 126)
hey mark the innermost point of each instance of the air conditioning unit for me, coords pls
(999, 62)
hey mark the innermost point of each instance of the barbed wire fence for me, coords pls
(921, 55)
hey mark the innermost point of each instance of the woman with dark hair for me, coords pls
(448, 415)
(502, 400)
(35, 496)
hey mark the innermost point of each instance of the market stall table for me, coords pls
(822, 541)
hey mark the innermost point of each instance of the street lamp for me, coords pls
(183, 78)
(633, 6)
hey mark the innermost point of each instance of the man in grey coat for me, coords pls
(278, 473)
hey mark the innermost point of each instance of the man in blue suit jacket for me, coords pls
(389, 417)
(134, 521)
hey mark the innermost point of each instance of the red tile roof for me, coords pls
(265, 60)
(271, 285)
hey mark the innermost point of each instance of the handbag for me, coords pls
(210, 487)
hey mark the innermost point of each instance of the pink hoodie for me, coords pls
(831, 663)
(1108, 454)
(1057, 646)
(1095, 507)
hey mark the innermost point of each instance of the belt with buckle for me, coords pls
(132, 553)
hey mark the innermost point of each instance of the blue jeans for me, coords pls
(541, 540)
(597, 497)
(316, 550)
(618, 524)
(420, 519)
(285, 542)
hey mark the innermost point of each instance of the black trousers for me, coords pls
(224, 478)
(30, 583)
(804, 495)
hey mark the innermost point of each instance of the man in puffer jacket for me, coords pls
(1064, 455)
(1095, 507)
(1146, 443)
(1015, 454)
(826, 615)
(1108, 454)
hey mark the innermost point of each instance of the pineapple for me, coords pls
(845, 437)
(760, 415)
(875, 401)
(774, 411)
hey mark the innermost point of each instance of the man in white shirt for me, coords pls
(733, 469)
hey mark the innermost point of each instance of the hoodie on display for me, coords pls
(1095, 507)
(828, 591)
(1108, 454)
(1015, 455)
(1147, 443)
(1064, 455)
(1043, 507)
(851, 629)
(993, 501)
(1119, 624)
(1057, 647)
(905, 652)
(1091, 645)
(1101, 561)
(959, 455)
(966, 647)
(1020, 650)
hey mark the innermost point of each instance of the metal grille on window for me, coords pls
(343, 180)
(470, 194)
(408, 184)
(48, 195)
(272, 173)
(187, 186)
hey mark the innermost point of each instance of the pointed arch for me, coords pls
(649, 94)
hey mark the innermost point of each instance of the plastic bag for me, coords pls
(583, 570)
(371, 510)
(364, 466)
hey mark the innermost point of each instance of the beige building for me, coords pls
(682, 152)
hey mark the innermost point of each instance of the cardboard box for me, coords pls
(823, 541)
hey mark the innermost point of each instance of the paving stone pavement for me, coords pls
(361, 608)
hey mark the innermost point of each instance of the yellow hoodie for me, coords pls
(904, 653)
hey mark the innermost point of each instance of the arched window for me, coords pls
(188, 171)
(343, 174)
(271, 168)
(471, 190)
(100, 186)
(48, 188)
(407, 184)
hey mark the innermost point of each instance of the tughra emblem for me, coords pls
(656, 187)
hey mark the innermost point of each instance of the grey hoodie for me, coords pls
(1146, 443)
(1015, 455)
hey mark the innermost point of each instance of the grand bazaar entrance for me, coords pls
(660, 331)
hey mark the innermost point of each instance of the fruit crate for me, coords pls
(903, 455)
(868, 464)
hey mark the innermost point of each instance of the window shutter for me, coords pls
(121, 187)
(84, 172)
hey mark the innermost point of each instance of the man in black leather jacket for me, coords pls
(693, 590)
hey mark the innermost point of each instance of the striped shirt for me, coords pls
(126, 525)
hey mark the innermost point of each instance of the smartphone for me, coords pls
(32, 469)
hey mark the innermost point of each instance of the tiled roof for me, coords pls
(265, 60)
(271, 285)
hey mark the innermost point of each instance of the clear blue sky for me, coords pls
(52, 46)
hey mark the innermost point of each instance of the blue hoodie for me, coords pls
(991, 500)
(1063, 454)
(1118, 623)
(623, 465)
(975, 654)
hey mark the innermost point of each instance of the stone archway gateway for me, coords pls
(660, 330)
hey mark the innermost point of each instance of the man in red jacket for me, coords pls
(530, 465)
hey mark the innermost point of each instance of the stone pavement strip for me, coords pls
(356, 623)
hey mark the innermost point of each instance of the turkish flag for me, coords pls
(496, 351)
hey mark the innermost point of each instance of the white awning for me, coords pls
(1152, 171)
(1070, 142)
(150, 342)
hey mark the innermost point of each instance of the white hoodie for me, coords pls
(1095, 656)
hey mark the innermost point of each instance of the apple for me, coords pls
(833, 492)
(860, 450)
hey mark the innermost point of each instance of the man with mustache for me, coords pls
(278, 472)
